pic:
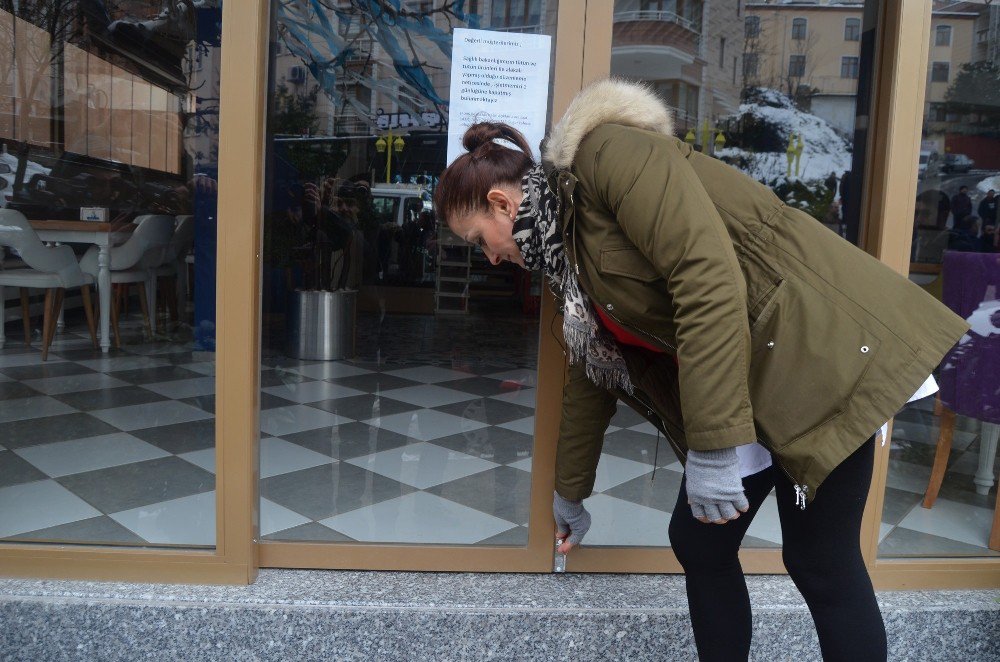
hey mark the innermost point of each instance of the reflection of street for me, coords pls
(951, 183)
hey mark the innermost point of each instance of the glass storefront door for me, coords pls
(399, 368)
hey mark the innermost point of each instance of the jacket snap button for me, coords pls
(770, 344)
(864, 349)
(609, 307)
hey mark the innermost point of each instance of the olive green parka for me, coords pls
(783, 332)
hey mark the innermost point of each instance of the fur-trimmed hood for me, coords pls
(612, 100)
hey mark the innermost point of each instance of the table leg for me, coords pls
(61, 320)
(104, 291)
(987, 455)
(150, 285)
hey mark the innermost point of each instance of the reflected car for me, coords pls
(8, 171)
(957, 163)
(77, 181)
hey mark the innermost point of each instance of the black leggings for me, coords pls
(821, 550)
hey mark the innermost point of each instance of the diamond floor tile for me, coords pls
(330, 489)
(428, 395)
(422, 465)
(428, 374)
(38, 505)
(280, 421)
(956, 521)
(426, 424)
(138, 484)
(49, 429)
(418, 518)
(32, 408)
(186, 521)
(311, 391)
(72, 457)
(137, 417)
(623, 523)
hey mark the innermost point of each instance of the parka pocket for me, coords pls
(808, 359)
(629, 262)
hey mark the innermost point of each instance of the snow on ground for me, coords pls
(824, 151)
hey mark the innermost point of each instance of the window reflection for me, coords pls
(772, 89)
(940, 499)
(108, 169)
(398, 374)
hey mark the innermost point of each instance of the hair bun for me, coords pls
(481, 133)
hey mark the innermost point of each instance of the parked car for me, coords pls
(929, 163)
(957, 163)
(8, 169)
(76, 181)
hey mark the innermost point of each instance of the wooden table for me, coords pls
(102, 235)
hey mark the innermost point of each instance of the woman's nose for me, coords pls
(492, 257)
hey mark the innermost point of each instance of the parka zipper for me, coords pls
(801, 490)
(650, 410)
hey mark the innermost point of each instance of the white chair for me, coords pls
(52, 268)
(135, 262)
(174, 267)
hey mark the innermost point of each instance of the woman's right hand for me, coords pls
(572, 522)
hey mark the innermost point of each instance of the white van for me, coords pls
(400, 203)
(929, 163)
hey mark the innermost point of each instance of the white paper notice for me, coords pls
(498, 77)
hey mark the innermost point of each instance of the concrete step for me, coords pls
(319, 615)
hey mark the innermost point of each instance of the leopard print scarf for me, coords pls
(538, 234)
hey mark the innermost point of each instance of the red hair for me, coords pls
(464, 184)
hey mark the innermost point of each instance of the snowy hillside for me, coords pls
(988, 184)
(772, 119)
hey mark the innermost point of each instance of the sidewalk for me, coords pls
(327, 615)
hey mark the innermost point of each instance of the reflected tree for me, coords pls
(333, 41)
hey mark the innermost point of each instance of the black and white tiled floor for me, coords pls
(426, 438)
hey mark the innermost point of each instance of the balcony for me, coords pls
(526, 29)
(657, 28)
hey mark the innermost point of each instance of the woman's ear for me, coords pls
(502, 202)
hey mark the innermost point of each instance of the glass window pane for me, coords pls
(108, 161)
(751, 118)
(940, 71)
(942, 35)
(941, 495)
(798, 29)
(852, 29)
(405, 412)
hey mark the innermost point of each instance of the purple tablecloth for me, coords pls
(970, 373)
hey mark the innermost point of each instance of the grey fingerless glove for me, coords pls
(570, 516)
(714, 486)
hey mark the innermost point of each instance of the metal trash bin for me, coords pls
(321, 325)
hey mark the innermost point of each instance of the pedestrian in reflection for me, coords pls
(831, 182)
(961, 206)
(767, 349)
(965, 236)
(988, 210)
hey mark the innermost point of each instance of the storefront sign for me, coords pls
(498, 77)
